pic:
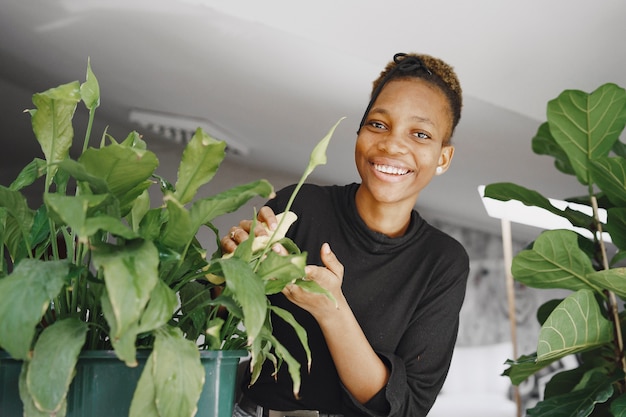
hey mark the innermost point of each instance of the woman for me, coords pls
(399, 282)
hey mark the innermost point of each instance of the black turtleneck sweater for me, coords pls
(405, 292)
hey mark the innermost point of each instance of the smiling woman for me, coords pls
(381, 346)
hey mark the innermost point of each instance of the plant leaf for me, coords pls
(616, 226)
(525, 366)
(613, 279)
(574, 326)
(30, 410)
(609, 174)
(555, 261)
(201, 159)
(544, 144)
(90, 89)
(587, 125)
(177, 376)
(580, 402)
(52, 121)
(505, 191)
(123, 168)
(29, 174)
(51, 368)
(19, 215)
(130, 275)
(618, 406)
(207, 209)
(178, 230)
(28, 289)
(249, 291)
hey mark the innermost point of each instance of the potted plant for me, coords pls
(582, 134)
(97, 269)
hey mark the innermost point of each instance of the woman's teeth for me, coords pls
(390, 170)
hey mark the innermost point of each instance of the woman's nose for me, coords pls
(392, 143)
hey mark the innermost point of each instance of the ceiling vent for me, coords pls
(180, 129)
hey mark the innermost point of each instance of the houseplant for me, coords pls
(96, 268)
(582, 134)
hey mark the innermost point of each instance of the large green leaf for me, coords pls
(19, 215)
(28, 290)
(172, 380)
(609, 174)
(613, 279)
(29, 174)
(178, 231)
(587, 125)
(51, 368)
(206, 209)
(75, 211)
(616, 226)
(578, 403)
(249, 291)
(618, 406)
(576, 325)
(123, 168)
(201, 159)
(130, 274)
(555, 261)
(30, 409)
(526, 365)
(156, 314)
(544, 144)
(52, 120)
(505, 191)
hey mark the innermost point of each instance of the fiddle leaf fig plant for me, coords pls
(582, 134)
(96, 267)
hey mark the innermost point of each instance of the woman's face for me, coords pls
(401, 144)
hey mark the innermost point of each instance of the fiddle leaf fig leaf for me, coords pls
(609, 174)
(526, 365)
(613, 279)
(544, 144)
(54, 359)
(52, 121)
(130, 275)
(505, 191)
(586, 126)
(27, 290)
(555, 261)
(616, 226)
(575, 325)
(580, 402)
(201, 159)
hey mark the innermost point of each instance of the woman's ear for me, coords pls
(447, 152)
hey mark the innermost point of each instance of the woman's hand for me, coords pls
(238, 234)
(329, 277)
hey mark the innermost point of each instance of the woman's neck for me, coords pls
(391, 219)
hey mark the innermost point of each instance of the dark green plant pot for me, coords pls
(104, 386)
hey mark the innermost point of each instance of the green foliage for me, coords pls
(582, 134)
(96, 267)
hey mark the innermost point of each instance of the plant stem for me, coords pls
(611, 299)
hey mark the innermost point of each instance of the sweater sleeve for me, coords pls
(421, 360)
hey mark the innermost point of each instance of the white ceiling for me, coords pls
(275, 75)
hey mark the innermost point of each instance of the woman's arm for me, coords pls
(360, 369)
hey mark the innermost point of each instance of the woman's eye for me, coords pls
(377, 125)
(422, 135)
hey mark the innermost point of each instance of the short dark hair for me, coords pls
(426, 67)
